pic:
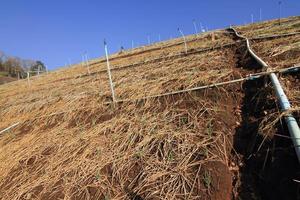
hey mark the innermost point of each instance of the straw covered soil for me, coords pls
(155, 149)
(291, 85)
(72, 142)
(280, 52)
(267, 28)
(4, 79)
(163, 49)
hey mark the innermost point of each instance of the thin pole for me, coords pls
(83, 60)
(252, 19)
(87, 62)
(28, 81)
(109, 73)
(279, 12)
(260, 14)
(159, 38)
(185, 45)
(10, 127)
(148, 39)
(201, 27)
(195, 26)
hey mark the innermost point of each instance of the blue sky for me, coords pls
(56, 31)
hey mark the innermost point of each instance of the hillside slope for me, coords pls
(73, 142)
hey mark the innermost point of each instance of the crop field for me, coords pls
(71, 141)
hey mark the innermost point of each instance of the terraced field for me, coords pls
(225, 142)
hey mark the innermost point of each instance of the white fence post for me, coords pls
(109, 73)
(69, 60)
(28, 81)
(260, 14)
(38, 70)
(87, 62)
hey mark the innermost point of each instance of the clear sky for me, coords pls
(56, 31)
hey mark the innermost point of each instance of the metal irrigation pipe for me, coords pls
(249, 77)
(109, 73)
(274, 36)
(184, 40)
(285, 105)
(10, 127)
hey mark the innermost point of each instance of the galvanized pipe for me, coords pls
(249, 77)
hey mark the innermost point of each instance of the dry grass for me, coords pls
(118, 152)
(280, 52)
(164, 49)
(288, 25)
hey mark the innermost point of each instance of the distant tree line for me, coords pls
(18, 68)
